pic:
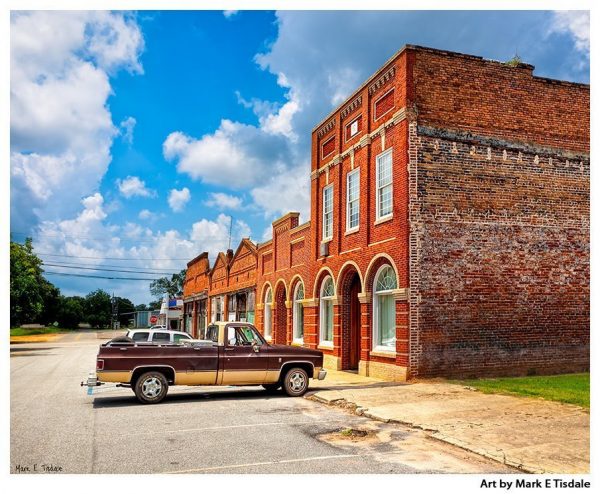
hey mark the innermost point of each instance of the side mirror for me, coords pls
(256, 348)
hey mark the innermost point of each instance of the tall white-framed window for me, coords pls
(384, 178)
(384, 309)
(353, 200)
(328, 212)
(298, 313)
(326, 312)
(268, 320)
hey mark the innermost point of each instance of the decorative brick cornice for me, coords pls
(356, 103)
(387, 76)
(326, 128)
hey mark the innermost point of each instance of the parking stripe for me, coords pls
(258, 464)
(221, 427)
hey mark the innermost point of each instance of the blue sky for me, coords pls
(136, 137)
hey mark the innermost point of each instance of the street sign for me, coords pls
(153, 319)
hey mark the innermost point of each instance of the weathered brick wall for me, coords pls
(501, 239)
(464, 92)
(196, 277)
(282, 263)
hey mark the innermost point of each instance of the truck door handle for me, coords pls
(123, 349)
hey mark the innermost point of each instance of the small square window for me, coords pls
(354, 128)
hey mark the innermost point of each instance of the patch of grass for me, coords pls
(566, 388)
(32, 331)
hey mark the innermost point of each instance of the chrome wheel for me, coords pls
(297, 381)
(151, 387)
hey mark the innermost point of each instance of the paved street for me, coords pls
(197, 430)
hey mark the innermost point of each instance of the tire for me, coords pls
(295, 382)
(151, 387)
(271, 388)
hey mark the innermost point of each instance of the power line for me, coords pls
(102, 269)
(118, 258)
(101, 277)
(70, 265)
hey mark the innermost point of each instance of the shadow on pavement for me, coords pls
(187, 397)
(21, 348)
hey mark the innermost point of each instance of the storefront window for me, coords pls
(384, 309)
(298, 313)
(268, 308)
(326, 311)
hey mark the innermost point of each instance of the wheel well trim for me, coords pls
(296, 362)
(152, 366)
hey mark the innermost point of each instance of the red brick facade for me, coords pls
(450, 196)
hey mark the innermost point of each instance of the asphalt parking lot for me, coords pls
(55, 425)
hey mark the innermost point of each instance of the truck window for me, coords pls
(179, 337)
(212, 333)
(161, 337)
(140, 336)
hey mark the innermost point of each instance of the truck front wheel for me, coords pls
(295, 382)
(151, 387)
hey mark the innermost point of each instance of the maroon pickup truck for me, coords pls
(233, 353)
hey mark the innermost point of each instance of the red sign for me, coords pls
(153, 319)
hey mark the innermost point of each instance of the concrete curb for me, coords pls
(497, 455)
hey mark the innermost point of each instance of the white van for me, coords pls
(157, 335)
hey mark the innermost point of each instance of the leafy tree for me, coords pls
(172, 287)
(98, 308)
(155, 305)
(71, 311)
(27, 284)
(51, 300)
(126, 311)
(141, 307)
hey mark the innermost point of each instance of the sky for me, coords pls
(140, 140)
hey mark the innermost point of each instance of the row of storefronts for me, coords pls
(416, 235)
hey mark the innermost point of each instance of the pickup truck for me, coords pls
(233, 353)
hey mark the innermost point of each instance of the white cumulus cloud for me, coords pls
(179, 198)
(61, 127)
(221, 200)
(132, 186)
(127, 125)
(577, 24)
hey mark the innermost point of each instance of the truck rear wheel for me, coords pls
(151, 387)
(295, 382)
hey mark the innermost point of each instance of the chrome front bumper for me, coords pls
(322, 374)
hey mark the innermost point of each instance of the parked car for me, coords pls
(234, 353)
(157, 335)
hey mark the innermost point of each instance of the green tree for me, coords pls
(172, 287)
(51, 299)
(71, 311)
(155, 305)
(98, 308)
(126, 311)
(141, 307)
(27, 284)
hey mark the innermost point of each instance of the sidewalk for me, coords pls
(534, 435)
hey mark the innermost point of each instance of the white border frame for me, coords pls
(377, 158)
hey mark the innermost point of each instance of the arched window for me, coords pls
(384, 309)
(298, 313)
(326, 311)
(268, 308)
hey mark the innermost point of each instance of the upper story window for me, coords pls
(328, 212)
(353, 128)
(353, 200)
(384, 185)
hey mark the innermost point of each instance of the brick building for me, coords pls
(449, 229)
